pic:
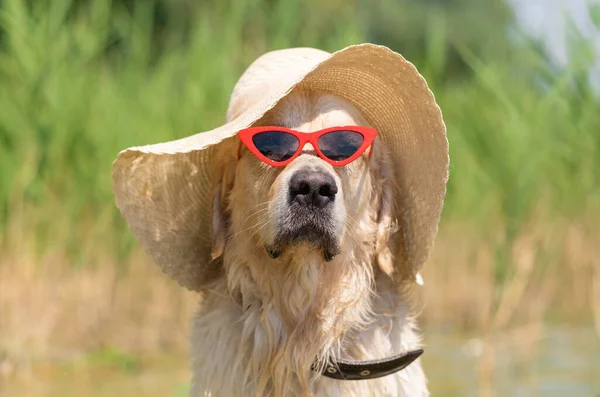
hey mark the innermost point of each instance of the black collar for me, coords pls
(356, 370)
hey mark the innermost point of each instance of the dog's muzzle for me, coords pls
(309, 215)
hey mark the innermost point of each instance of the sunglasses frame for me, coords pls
(369, 134)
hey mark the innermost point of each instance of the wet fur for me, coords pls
(262, 325)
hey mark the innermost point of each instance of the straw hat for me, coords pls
(164, 191)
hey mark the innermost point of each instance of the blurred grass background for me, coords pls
(81, 80)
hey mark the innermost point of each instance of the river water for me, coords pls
(556, 362)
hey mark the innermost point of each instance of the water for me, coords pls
(559, 362)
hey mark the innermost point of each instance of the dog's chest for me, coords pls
(227, 351)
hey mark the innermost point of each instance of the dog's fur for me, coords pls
(263, 324)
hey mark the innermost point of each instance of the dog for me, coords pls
(261, 326)
(305, 267)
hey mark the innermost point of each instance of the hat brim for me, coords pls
(164, 191)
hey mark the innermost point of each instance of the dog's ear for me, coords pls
(390, 253)
(224, 174)
(383, 208)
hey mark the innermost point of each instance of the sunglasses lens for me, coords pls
(339, 145)
(276, 145)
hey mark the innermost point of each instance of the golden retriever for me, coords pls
(302, 286)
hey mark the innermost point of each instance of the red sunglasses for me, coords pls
(278, 146)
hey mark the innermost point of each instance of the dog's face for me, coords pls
(310, 202)
(307, 210)
(307, 206)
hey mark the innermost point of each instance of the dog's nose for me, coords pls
(312, 188)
